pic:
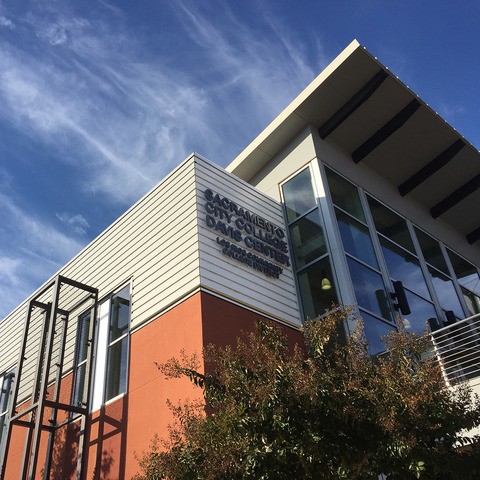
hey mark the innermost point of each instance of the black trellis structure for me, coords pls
(41, 411)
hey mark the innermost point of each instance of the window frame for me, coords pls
(314, 175)
(103, 344)
(418, 253)
(9, 373)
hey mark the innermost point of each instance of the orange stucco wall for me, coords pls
(193, 324)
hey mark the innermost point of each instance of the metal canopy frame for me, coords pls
(49, 373)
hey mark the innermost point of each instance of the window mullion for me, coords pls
(377, 248)
(426, 272)
(332, 234)
(456, 283)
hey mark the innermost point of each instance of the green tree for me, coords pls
(324, 410)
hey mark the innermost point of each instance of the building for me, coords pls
(358, 193)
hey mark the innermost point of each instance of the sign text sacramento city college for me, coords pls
(243, 227)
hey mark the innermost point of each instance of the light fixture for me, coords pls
(325, 285)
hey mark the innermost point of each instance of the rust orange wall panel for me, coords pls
(127, 425)
(164, 338)
(224, 321)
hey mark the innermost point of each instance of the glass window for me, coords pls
(421, 312)
(447, 296)
(308, 239)
(375, 331)
(317, 288)
(6, 386)
(404, 267)
(431, 251)
(356, 239)
(369, 289)
(466, 273)
(298, 194)
(390, 224)
(81, 350)
(472, 301)
(345, 195)
(117, 354)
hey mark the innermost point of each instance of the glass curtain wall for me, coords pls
(365, 272)
(309, 246)
(382, 247)
(403, 265)
(468, 278)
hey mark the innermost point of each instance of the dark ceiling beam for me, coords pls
(351, 105)
(455, 197)
(473, 236)
(430, 168)
(388, 129)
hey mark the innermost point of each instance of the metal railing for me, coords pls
(457, 347)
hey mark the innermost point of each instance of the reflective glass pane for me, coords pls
(117, 363)
(356, 239)
(391, 225)
(317, 288)
(431, 251)
(422, 310)
(298, 195)
(345, 195)
(375, 331)
(119, 314)
(79, 385)
(369, 289)
(446, 293)
(466, 273)
(472, 301)
(6, 384)
(308, 240)
(404, 267)
(82, 337)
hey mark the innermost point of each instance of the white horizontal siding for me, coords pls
(153, 245)
(223, 275)
(163, 247)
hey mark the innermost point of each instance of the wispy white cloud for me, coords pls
(10, 271)
(5, 22)
(34, 236)
(268, 66)
(31, 250)
(120, 116)
(451, 112)
(76, 222)
(13, 286)
(134, 120)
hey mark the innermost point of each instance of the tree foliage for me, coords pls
(324, 410)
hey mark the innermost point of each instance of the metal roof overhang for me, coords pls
(357, 104)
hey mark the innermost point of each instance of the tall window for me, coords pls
(118, 340)
(468, 279)
(113, 337)
(404, 265)
(439, 273)
(80, 368)
(365, 273)
(6, 385)
(309, 246)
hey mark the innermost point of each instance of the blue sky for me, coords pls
(100, 99)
